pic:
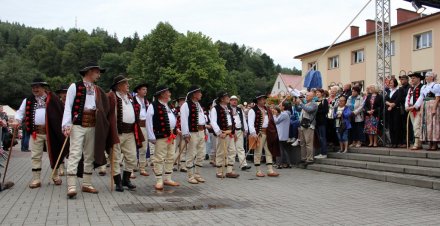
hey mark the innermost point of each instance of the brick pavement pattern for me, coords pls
(297, 197)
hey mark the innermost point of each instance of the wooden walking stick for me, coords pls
(249, 151)
(177, 161)
(111, 168)
(225, 152)
(59, 157)
(407, 131)
(10, 153)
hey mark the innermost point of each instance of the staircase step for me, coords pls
(407, 169)
(425, 162)
(399, 178)
(400, 152)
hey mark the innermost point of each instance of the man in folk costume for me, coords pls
(403, 92)
(241, 130)
(141, 103)
(42, 114)
(161, 122)
(193, 131)
(262, 129)
(412, 105)
(223, 125)
(430, 111)
(129, 132)
(62, 92)
(179, 141)
(86, 120)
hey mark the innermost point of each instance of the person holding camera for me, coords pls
(307, 128)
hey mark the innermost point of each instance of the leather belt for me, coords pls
(143, 123)
(126, 128)
(263, 130)
(89, 118)
(201, 127)
(40, 129)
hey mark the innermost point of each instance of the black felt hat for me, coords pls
(416, 74)
(160, 89)
(118, 79)
(140, 86)
(62, 89)
(90, 66)
(39, 81)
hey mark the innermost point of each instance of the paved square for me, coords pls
(297, 197)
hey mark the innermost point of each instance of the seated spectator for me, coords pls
(342, 115)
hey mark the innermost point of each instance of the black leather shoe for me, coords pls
(126, 180)
(118, 183)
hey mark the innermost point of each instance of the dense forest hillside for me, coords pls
(164, 56)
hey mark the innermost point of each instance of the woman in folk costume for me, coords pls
(161, 123)
(263, 130)
(430, 111)
(42, 113)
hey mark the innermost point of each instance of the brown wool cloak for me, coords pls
(54, 135)
(272, 136)
(105, 137)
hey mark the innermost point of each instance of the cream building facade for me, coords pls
(415, 46)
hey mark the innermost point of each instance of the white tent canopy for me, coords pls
(9, 111)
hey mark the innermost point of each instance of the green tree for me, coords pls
(115, 64)
(16, 73)
(45, 54)
(197, 61)
(153, 54)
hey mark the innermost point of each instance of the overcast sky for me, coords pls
(280, 28)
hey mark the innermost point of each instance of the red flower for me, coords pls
(80, 88)
(163, 129)
(27, 112)
(161, 118)
(77, 101)
(162, 124)
(160, 112)
(165, 135)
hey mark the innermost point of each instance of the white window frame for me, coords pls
(358, 56)
(311, 64)
(333, 62)
(423, 40)
(392, 49)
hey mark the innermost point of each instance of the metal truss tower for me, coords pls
(383, 42)
(383, 53)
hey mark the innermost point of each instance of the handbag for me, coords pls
(305, 122)
(342, 127)
(253, 142)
